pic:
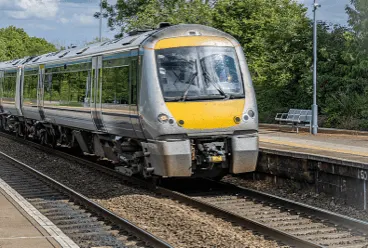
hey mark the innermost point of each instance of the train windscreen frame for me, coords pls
(196, 73)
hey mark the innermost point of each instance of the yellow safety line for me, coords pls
(288, 143)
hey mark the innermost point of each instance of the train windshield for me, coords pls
(193, 73)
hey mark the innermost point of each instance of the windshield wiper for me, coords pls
(190, 82)
(236, 96)
(215, 84)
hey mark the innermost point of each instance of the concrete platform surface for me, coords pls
(338, 146)
(17, 229)
(23, 226)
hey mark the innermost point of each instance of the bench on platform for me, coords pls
(295, 117)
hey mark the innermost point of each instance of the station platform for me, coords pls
(18, 230)
(23, 226)
(339, 145)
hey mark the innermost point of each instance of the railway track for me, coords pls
(288, 222)
(85, 222)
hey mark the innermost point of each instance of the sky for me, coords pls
(66, 22)
(331, 10)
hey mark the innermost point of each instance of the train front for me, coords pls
(197, 104)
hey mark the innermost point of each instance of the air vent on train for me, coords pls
(164, 25)
(83, 50)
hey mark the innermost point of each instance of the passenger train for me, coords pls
(175, 101)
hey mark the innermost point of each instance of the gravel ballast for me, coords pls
(301, 193)
(178, 224)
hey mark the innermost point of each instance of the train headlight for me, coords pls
(251, 113)
(246, 117)
(237, 119)
(163, 118)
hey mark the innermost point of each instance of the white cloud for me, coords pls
(78, 19)
(84, 19)
(44, 27)
(63, 20)
(23, 9)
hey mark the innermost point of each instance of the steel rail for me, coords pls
(348, 222)
(92, 206)
(274, 233)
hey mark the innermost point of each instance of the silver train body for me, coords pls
(177, 101)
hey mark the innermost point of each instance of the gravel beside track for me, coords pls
(300, 193)
(178, 224)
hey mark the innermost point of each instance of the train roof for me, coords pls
(133, 40)
(130, 41)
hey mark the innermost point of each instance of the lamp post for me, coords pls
(314, 124)
(100, 37)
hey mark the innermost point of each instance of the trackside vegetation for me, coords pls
(16, 43)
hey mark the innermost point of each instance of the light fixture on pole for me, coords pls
(100, 37)
(314, 123)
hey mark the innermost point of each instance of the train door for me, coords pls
(115, 79)
(134, 94)
(40, 91)
(96, 88)
(18, 91)
(28, 93)
(1, 90)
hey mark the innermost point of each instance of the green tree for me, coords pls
(358, 20)
(3, 55)
(127, 15)
(15, 43)
(343, 92)
(276, 38)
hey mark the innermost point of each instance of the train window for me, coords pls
(199, 73)
(68, 86)
(10, 79)
(30, 86)
(116, 62)
(115, 85)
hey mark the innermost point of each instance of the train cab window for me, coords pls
(193, 73)
(30, 83)
(10, 80)
(115, 83)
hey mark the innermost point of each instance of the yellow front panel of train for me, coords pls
(192, 41)
(207, 114)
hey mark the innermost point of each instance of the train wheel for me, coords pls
(47, 139)
(43, 137)
(25, 132)
(219, 175)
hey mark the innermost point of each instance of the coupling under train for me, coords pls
(176, 101)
